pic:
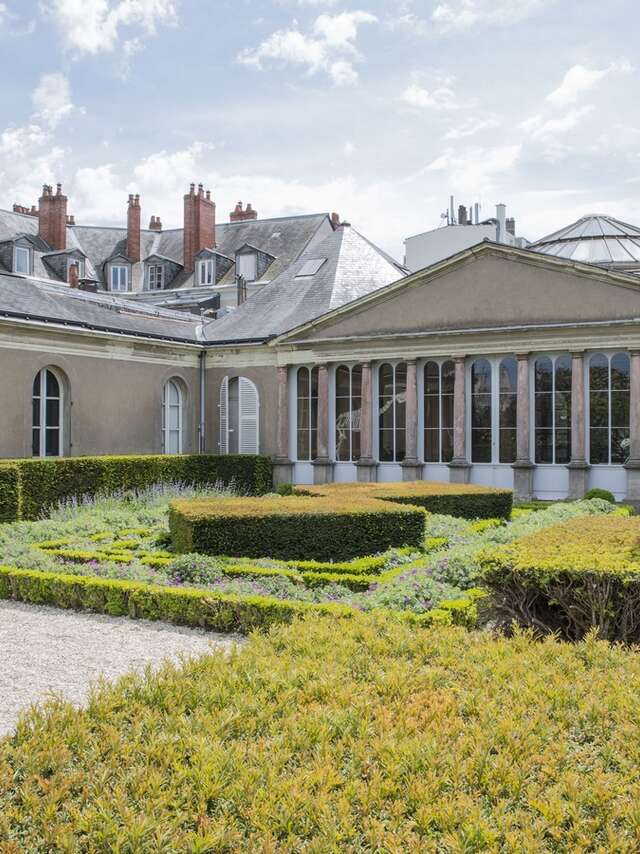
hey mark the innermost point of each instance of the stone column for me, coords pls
(633, 463)
(523, 467)
(322, 465)
(282, 464)
(366, 465)
(411, 468)
(578, 468)
(459, 467)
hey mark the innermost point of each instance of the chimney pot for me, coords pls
(238, 214)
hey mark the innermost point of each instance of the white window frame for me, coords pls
(16, 251)
(158, 277)
(244, 258)
(310, 429)
(553, 358)
(206, 272)
(495, 363)
(167, 407)
(43, 426)
(248, 420)
(422, 429)
(123, 272)
(608, 355)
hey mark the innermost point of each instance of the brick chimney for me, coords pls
(335, 220)
(53, 217)
(155, 224)
(133, 229)
(32, 211)
(238, 214)
(199, 224)
(74, 275)
(511, 226)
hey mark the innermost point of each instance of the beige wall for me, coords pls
(265, 379)
(114, 391)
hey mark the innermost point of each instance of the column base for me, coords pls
(322, 471)
(283, 469)
(633, 483)
(523, 480)
(578, 479)
(411, 469)
(367, 470)
(459, 471)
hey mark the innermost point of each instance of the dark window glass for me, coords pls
(508, 409)
(552, 417)
(348, 412)
(52, 443)
(46, 415)
(307, 413)
(609, 409)
(448, 382)
(432, 412)
(392, 391)
(481, 412)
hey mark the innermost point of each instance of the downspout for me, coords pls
(202, 426)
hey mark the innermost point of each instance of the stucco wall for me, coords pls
(265, 378)
(114, 392)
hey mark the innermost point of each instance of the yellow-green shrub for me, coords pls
(570, 578)
(362, 735)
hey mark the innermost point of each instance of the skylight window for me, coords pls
(310, 268)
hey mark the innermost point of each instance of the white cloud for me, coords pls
(94, 26)
(579, 79)
(349, 149)
(52, 99)
(472, 126)
(475, 170)
(541, 128)
(4, 13)
(330, 46)
(461, 14)
(440, 98)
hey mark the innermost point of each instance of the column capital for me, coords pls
(633, 353)
(523, 357)
(576, 354)
(459, 359)
(411, 361)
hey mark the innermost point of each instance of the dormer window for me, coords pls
(206, 272)
(119, 277)
(155, 277)
(22, 260)
(247, 266)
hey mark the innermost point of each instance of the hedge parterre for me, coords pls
(340, 735)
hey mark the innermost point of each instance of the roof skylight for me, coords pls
(310, 268)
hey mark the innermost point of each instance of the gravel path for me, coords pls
(46, 649)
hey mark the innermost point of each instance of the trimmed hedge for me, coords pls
(570, 579)
(461, 500)
(295, 528)
(34, 486)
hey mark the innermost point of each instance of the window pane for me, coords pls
(448, 377)
(563, 410)
(343, 381)
(544, 411)
(544, 446)
(314, 382)
(386, 446)
(303, 444)
(401, 379)
(507, 445)
(36, 384)
(508, 376)
(35, 442)
(385, 380)
(481, 377)
(400, 445)
(52, 443)
(620, 409)
(620, 371)
(481, 411)
(563, 373)
(53, 387)
(356, 381)
(619, 446)
(343, 428)
(432, 446)
(35, 417)
(52, 413)
(599, 373)
(447, 445)
(543, 375)
(563, 447)
(599, 441)
(599, 409)
(481, 446)
(303, 382)
(431, 378)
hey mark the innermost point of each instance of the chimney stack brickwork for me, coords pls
(53, 217)
(133, 229)
(199, 224)
(511, 226)
(155, 224)
(239, 214)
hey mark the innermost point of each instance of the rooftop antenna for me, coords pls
(452, 219)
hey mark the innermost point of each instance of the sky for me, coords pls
(377, 110)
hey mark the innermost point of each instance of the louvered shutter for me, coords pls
(223, 409)
(248, 441)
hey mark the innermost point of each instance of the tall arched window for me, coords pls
(552, 390)
(392, 400)
(508, 410)
(307, 413)
(47, 414)
(609, 393)
(438, 411)
(172, 418)
(481, 412)
(348, 412)
(239, 410)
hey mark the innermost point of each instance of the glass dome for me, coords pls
(595, 239)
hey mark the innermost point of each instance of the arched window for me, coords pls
(348, 412)
(47, 414)
(438, 411)
(508, 410)
(481, 412)
(239, 410)
(172, 418)
(392, 401)
(609, 408)
(307, 413)
(552, 391)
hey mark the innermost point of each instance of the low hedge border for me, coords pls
(30, 487)
(191, 606)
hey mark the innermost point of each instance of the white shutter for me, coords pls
(248, 441)
(223, 408)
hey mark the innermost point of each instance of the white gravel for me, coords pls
(45, 650)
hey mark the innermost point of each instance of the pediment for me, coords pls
(488, 287)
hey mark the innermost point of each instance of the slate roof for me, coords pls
(354, 267)
(26, 298)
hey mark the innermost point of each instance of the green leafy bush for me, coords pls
(570, 579)
(360, 735)
(41, 484)
(295, 528)
(604, 494)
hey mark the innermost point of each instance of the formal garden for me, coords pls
(429, 668)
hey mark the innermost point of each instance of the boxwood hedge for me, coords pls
(362, 735)
(28, 488)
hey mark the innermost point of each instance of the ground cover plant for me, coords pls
(361, 736)
(125, 538)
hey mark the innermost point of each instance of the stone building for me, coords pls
(499, 365)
